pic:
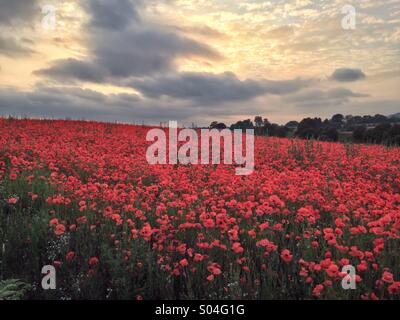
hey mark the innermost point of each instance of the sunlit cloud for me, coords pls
(205, 59)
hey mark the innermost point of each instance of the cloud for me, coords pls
(208, 88)
(145, 45)
(13, 48)
(121, 46)
(16, 14)
(313, 98)
(70, 70)
(78, 103)
(141, 52)
(112, 14)
(280, 32)
(347, 75)
(18, 11)
(144, 51)
(203, 30)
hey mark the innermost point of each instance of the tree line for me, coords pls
(367, 129)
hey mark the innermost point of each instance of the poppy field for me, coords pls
(80, 196)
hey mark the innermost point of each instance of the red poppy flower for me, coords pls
(286, 256)
(333, 270)
(12, 200)
(387, 277)
(214, 268)
(93, 261)
(70, 255)
(60, 229)
(237, 248)
(317, 290)
(184, 263)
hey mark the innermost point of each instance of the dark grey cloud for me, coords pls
(70, 70)
(206, 88)
(316, 98)
(144, 51)
(77, 103)
(14, 12)
(347, 75)
(13, 48)
(112, 14)
(200, 87)
(140, 52)
(121, 46)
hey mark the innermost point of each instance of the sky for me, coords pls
(196, 61)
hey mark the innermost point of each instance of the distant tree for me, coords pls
(266, 127)
(393, 135)
(379, 118)
(357, 120)
(247, 124)
(380, 132)
(309, 128)
(329, 134)
(348, 117)
(292, 125)
(337, 118)
(367, 119)
(382, 129)
(359, 133)
(258, 122)
(337, 121)
(217, 125)
(213, 124)
(281, 131)
(243, 125)
(237, 125)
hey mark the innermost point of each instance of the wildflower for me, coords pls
(198, 257)
(387, 277)
(394, 288)
(184, 263)
(286, 256)
(214, 268)
(237, 248)
(53, 222)
(60, 229)
(12, 200)
(332, 270)
(57, 263)
(70, 255)
(93, 261)
(317, 290)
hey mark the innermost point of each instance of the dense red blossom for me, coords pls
(308, 209)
